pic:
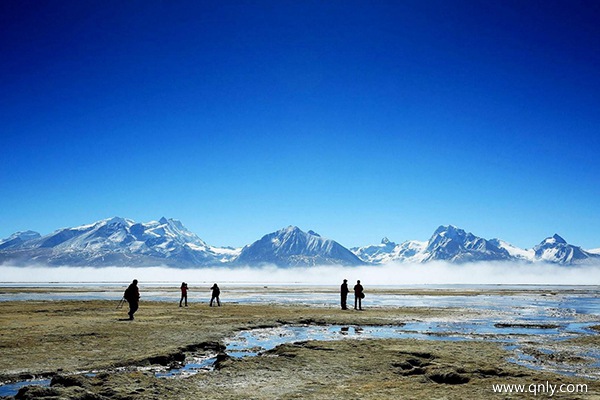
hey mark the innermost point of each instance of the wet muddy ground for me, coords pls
(84, 351)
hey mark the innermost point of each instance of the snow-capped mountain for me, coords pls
(555, 249)
(452, 244)
(290, 247)
(377, 253)
(387, 251)
(17, 239)
(119, 241)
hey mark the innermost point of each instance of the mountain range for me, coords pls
(115, 241)
(123, 242)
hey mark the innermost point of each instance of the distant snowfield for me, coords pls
(434, 273)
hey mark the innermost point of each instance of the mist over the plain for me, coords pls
(434, 273)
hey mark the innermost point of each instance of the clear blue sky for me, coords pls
(357, 119)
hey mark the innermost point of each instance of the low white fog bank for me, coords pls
(436, 273)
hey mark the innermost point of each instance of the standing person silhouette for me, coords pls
(358, 295)
(344, 294)
(132, 295)
(215, 295)
(184, 290)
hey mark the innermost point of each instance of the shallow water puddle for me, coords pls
(515, 334)
(255, 341)
(10, 389)
(192, 366)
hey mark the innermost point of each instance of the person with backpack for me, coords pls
(184, 290)
(132, 295)
(358, 295)
(215, 295)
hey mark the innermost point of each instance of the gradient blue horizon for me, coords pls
(357, 120)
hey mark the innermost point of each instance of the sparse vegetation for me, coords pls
(60, 338)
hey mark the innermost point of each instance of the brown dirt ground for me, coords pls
(67, 336)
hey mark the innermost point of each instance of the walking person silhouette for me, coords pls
(132, 295)
(215, 295)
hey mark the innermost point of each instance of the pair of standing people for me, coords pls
(358, 295)
(216, 292)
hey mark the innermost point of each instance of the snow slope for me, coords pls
(290, 247)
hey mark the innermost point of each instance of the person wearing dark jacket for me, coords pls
(344, 294)
(358, 295)
(132, 295)
(184, 290)
(215, 295)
